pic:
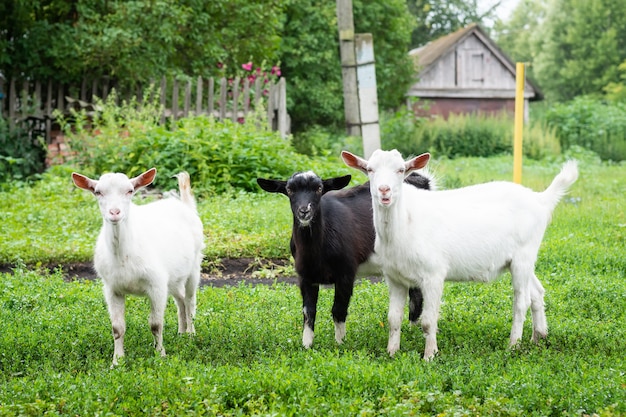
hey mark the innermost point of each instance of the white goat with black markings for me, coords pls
(150, 250)
(473, 233)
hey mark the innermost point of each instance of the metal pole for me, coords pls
(519, 123)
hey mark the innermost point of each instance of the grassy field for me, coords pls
(246, 359)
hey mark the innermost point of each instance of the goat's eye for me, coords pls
(370, 171)
(97, 193)
(400, 171)
(289, 192)
(319, 190)
(129, 192)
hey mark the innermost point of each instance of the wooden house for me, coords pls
(466, 72)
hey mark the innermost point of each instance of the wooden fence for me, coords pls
(33, 102)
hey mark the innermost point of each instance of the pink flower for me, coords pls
(248, 66)
(220, 65)
(276, 71)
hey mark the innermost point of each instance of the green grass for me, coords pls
(246, 359)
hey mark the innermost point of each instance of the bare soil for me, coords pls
(228, 271)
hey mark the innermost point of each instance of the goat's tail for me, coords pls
(184, 187)
(560, 184)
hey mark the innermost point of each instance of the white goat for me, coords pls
(151, 250)
(470, 234)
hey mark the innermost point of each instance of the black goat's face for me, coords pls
(305, 191)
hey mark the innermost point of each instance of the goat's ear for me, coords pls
(416, 163)
(84, 182)
(336, 183)
(354, 161)
(272, 186)
(143, 179)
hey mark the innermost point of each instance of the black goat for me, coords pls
(332, 241)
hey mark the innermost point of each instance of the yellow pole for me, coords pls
(519, 123)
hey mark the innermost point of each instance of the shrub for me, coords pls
(464, 135)
(590, 123)
(22, 155)
(220, 156)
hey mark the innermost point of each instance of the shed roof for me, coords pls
(427, 55)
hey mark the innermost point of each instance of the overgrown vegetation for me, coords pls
(591, 123)
(21, 154)
(220, 156)
(464, 135)
(246, 358)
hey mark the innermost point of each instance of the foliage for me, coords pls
(220, 156)
(575, 46)
(464, 135)
(21, 154)
(591, 123)
(437, 18)
(519, 35)
(246, 358)
(65, 40)
(310, 58)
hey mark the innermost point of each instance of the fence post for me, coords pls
(283, 127)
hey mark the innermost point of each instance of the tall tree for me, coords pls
(575, 48)
(436, 18)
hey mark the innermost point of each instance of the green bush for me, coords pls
(591, 123)
(21, 156)
(220, 156)
(464, 135)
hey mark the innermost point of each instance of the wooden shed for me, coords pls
(466, 72)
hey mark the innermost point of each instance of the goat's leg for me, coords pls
(521, 275)
(158, 302)
(538, 311)
(191, 288)
(310, 294)
(183, 313)
(416, 304)
(116, 305)
(432, 292)
(343, 293)
(397, 299)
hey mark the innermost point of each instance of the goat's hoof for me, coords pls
(307, 337)
(538, 336)
(391, 350)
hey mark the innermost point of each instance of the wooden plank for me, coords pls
(175, 101)
(60, 98)
(12, 102)
(37, 100)
(187, 99)
(83, 90)
(162, 92)
(246, 96)
(94, 90)
(258, 92)
(199, 95)
(211, 97)
(233, 116)
(222, 103)
(48, 112)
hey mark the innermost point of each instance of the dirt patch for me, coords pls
(227, 271)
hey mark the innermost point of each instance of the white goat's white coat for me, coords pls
(470, 234)
(150, 250)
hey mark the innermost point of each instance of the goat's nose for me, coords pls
(114, 211)
(304, 210)
(384, 189)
